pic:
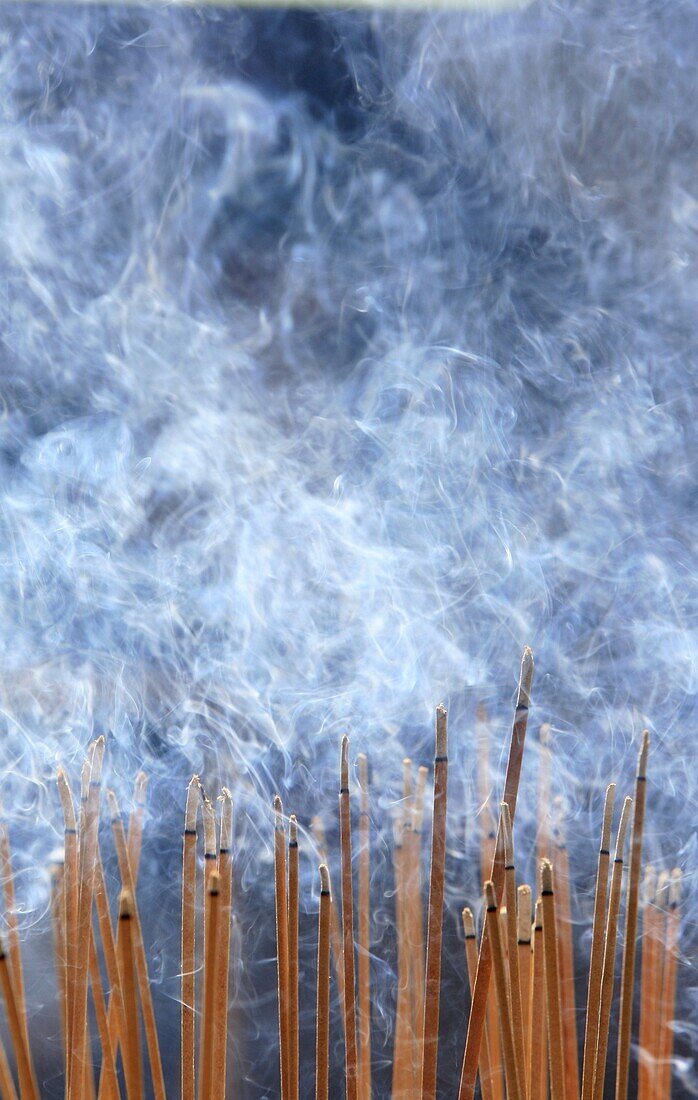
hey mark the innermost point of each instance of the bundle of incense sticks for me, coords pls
(522, 1041)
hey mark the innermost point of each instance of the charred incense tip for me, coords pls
(66, 797)
(538, 918)
(97, 759)
(113, 805)
(507, 834)
(623, 827)
(523, 697)
(85, 773)
(226, 800)
(278, 813)
(344, 766)
(675, 888)
(324, 879)
(608, 817)
(407, 778)
(642, 758)
(523, 914)
(468, 923)
(125, 905)
(140, 787)
(362, 761)
(192, 805)
(214, 884)
(293, 829)
(441, 732)
(546, 876)
(661, 896)
(209, 818)
(490, 896)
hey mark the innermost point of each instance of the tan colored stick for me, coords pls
(28, 1088)
(666, 1039)
(607, 978)
(351, 1055)
(115, 1012)
(335, 930)
(206, 1040)
(566, 954)
(476, 1022)
(133, 1065)
(416, 960)
(401, 1067)
(484, 784)
(7, 1085)
(293, 1021)
(225, 866)
(597, 940)
(627, 988)
(552, 983)
(13, 941)
(188, 941)
(649, 914)
(523, 944)
(661, 905)
(58, 924)
(71, 893)
(133, 924)
(322, 1012)
(512, 929)
(502, 992)
(537, 1042)
(432, 984)
(111, 1081)
(364, 944)
(281, 940)
(471, 961)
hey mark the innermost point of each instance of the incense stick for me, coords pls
(351, 1055)
(135, 824)
(607, 978)
(188, 944)
(293, 1023)
(25, 1067)
(12, 933)
(335, 930)
(111, 1083)
(206, 1040)
(401, 1066)
(552, 983)
(225, 867)
(58, 925)
(281, 940)
(648, 954)
(523, 946)
(537, 1042)
(322, 1013)
(133, 1068)
(432, 984)
(471, 961)
(512, 928)
(566, 955)
(364, 944)
(70, 892)
(666, 1032)
(471, 1054)
(597, 940)
(416, 959)
(502, 993)
(627, 987)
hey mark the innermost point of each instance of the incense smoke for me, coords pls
(343, 355)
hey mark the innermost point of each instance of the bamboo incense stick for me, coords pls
(293, 1022)
(627, 988)
(133, 1067)
(7, 1085)
(11, 924)
(322, 1014)
(70, 892)
(281, 887)
(351, 1055)
(225, 867)
(188, 948)
(432, 983)
(502, 993)
(523, 945)
(666, 1031)
(487, 819)
(552, 983)
(211, 960)
(471, 1054)
(471, 961)
(537, 1041)
(58, 926)
(597, 940)
(649, 915)
(566, 954)
(416, 959)
(335, 930)
(25, 1067)
(607, 978)
(512, 929)
(111, 1082)
(115, 1012)
(401, 1067)
(660, 907)
(364, 945)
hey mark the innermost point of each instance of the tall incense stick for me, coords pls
(225, 868)
(432, 985)
(503, 1003)
(322, 1012)
(364, 933)
(281, 940)
(351, 1053)
(188, 951)
(552, 983)
(293, 901)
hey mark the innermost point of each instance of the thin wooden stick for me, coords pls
(364, 943)
(28, 1088)
(351, 1054)
(70, 892)
(7, 1085)
(206, 1039)
(401, 1067)
(607, 978)
(537, 1042)
(115, 1012)
(552, 983)
(471, 961)
(335, 930)
(566, 954)
(432, 984)
(416, 960)
(322, 1013)
(666, 1034)
(597, 940)
(627, 988)
(544, 838)
(188, 944)
(476, 1022)
(512, 930)
(10, 905)
(502, 992)
(133, 924)
(225, 867)
(58, 925)
(293, 1021)
(484, 782)
(135, 824)
(523, 945)
(111, 1082)
(661, 906)
(281, 888)
(133, 1064)
(649, 914)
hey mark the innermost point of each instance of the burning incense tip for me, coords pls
(623, 827)
(469, 924)
(324, 879)
(66, 797)
(608, 817)
(441, 731)
(113, 804)
(344, 765)
(125, 905)
(675, 890)
(507, 835)
(546, 876)
(140, 788)
(293, 829)
(192, 804)
(209, 819)
(226, 800)
(524, 914)
(214, 884)
(278, 812)
(525, 679)
(642, 758)
(490, 897)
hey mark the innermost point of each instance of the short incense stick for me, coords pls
(351, 1054)
(58, 926)
(70, 899)
(668, 1002)
(471, 961)
(566, 954)
(648, 966)
(401, 1067)
(502, 993)
(225, 868)
(111, 1082)
(597, 939)
(607, 978)
(335, 929)
(512, 930)
(281, 885)
(293, 1022)
(552, 983)
(523, 945)
(364, 943)
(627, 988)
(537, 1041)
(206, 1041)
(432, 983)
(188, 949)
(415, 939)
(133, 1066)
(322, 1013)
(476, 1022)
